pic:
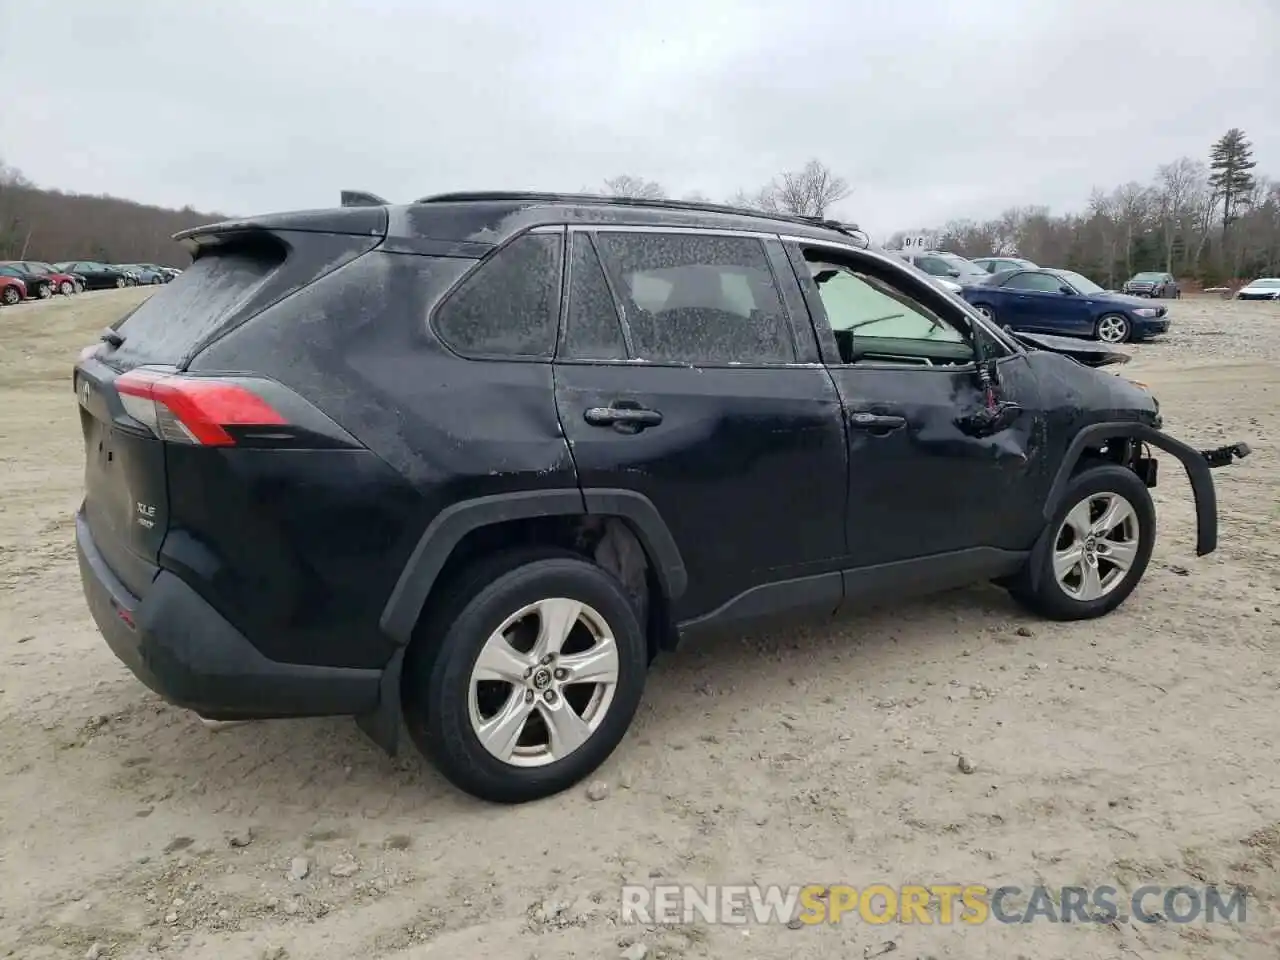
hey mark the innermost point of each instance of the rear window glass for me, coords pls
(183, 313)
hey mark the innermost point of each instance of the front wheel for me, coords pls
(44, 291)
(121, 283)
(1113, 328)
(527, 675)
(9, 296)
(66, 288)
(1095, 548)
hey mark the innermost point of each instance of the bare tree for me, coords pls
(1177, 186)
(637, 188)
(808, 192)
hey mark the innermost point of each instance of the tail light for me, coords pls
(193, 410)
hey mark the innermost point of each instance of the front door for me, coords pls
(682, 376)
(935, 489)
(1038, 302)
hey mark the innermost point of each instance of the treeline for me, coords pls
(1211, 222)
(48, 225)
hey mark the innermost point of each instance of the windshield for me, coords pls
(1152, 277)
(1082, 284)
(1268, 284)
(41, 268)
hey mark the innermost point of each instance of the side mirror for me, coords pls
(953, 273)
(1066, 291)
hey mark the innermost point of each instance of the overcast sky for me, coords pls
(931, 109)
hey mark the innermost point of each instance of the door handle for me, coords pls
(622, 419)
(877, 422)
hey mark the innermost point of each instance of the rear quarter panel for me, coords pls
(356, 344)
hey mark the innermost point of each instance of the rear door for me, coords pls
(683, 376)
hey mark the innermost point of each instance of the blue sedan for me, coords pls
(1065, 303)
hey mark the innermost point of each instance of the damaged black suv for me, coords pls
(471, 462)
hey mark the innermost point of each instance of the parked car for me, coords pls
(38, 286)
(63, 283)
(12, 290)
(997, 264)
(97, 276)
(1264, 288)
(947, 266)
(1152, 284)
(548, 514)
(1064, 302)
(144, 274)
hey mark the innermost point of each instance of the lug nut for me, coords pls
(528, 696)
(550, 696)
(561, 673)
(548, 658)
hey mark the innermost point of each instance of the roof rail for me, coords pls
(849, 229)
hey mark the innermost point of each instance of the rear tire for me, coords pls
(44, 291)
(1095, 549)
(500, 607)
(9, 296)
(988, 312)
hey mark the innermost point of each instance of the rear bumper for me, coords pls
(188, 653)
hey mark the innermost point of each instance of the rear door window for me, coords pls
(697, 299)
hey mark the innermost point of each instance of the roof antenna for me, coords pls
(358, 198)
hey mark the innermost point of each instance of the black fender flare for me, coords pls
(445, 532)
(1192, 460)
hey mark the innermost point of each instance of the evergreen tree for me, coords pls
(1230, 173)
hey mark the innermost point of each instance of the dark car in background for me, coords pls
(1152, 284)
(63, 283)
(39, 286)
(144, 273)
(1064, 302)
(947, 266)
(97, 276)
(996, 264)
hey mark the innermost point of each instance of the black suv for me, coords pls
(473, 461)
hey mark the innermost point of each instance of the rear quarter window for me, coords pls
(509, 306)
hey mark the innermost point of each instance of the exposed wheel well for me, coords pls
(610, 542)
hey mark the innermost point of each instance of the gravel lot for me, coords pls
(1139, 749)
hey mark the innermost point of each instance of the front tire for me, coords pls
(1095, 549)
(66, 288)
(988, 312)
(44, 291)
(9, 296)
(121, 283)
(1113, 328)
(527, 676)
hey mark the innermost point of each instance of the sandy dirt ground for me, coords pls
(1141, 749)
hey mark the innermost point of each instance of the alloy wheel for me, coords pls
(1095, 546)
(543, 682)
(1112, 329)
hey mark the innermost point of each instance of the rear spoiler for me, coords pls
(358, 198)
